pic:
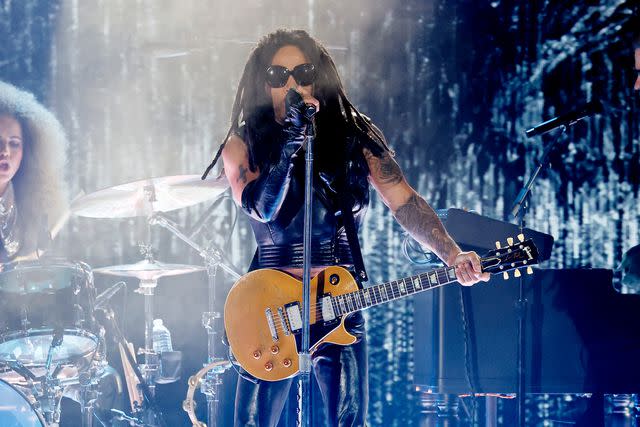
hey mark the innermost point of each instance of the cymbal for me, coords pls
(148, 270)
(144, 197)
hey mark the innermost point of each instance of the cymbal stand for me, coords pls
(213, 258)
(151, 366)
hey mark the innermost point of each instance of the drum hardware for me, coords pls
(121, 416)
(49, 399)
(213, 258)
(88, 396)
(55, 343)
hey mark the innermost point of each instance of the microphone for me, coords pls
(293, 97)
(568, 119)
(104, 297)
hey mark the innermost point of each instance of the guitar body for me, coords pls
(261, 319)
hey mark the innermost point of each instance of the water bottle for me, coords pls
(161, 337)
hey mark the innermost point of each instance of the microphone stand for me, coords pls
(519, 210)
(303, 354)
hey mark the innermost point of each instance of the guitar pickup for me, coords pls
(272, 324)
(295, 316)
(328, 314)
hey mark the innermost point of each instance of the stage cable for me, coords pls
(468, 349)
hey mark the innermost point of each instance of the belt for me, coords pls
(328, 252)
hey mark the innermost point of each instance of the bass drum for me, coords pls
(16, 410)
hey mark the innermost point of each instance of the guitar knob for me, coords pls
(510, 241)
(268, 366)
(520, 237)
(334, 279)
(257, 354)
(516, 273)
(286, 363)
(274, 349)
(498, 245)
(529, 270)
(505, 275)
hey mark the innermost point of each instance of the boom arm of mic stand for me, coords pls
(207, 254)
(522, 196)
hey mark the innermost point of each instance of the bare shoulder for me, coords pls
(235, 148)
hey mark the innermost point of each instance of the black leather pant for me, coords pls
(341, 373)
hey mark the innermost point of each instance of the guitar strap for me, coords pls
(352, 236)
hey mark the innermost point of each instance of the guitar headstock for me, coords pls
(514, 255)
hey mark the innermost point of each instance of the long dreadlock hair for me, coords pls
(336, 120)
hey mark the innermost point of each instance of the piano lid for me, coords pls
(477, 232)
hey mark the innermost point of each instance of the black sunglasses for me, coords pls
(303, 74)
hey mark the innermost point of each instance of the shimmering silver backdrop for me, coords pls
(144, 88)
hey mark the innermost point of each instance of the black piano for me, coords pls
(581, 335)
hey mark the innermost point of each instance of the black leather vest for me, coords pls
(280, 240)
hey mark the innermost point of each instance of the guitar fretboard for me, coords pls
(378, 294)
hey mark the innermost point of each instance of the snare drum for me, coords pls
(16, 410)
(42, 299)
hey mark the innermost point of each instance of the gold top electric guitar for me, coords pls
(263, 311)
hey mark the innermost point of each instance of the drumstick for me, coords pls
(131, 379)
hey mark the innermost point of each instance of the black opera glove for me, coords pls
(264, 196)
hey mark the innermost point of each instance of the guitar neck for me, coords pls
(385, 292)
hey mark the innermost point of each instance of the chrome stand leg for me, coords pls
(210, 320)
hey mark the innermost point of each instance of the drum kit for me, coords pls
(53, 323)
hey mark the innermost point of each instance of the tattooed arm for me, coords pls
(415, 215)
(235, 157)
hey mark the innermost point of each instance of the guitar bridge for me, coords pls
(272, 324)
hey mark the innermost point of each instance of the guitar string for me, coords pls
(280, 329)
(438, 271)
(396, 292)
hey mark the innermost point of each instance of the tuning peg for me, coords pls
(510, 241)
(498, 245)
(505, 275)
(529, 270)
(516, 273)
(520, 237)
